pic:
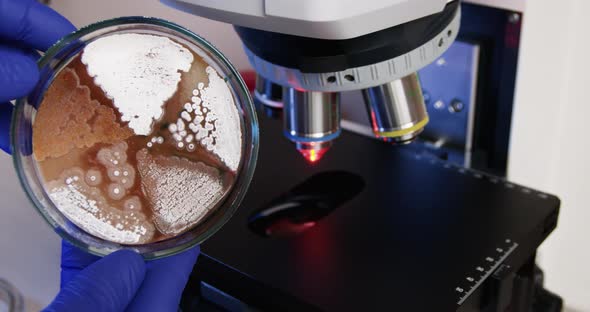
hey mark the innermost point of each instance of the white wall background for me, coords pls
(549, 150)
(29, 249)
(84, 12)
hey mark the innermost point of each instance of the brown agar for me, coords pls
(118, 167)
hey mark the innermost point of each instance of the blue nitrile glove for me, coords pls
(118, 282)
(25, 26)
(121, 281)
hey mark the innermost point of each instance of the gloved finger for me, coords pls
(73, 260)
(5, 117)
(32, 23)
(109, 284)
(18, 72)
(164, 282)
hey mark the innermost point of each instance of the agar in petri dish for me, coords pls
(137, 139)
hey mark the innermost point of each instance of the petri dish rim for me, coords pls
(11, 297)
(249, 124)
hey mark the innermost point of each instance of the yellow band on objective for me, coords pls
(400, 133)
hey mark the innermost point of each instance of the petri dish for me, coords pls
(139, 135)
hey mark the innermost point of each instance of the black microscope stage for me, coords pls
(378, 229)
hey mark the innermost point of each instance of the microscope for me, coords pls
(371, 226)
(306, 53)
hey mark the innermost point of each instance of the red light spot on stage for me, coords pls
(313, 155)
(286, 228)
(308, 224)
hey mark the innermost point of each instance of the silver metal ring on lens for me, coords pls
(396, 109)
(311, 116)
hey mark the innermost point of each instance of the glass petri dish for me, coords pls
(56, 60)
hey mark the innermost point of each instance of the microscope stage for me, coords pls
(421, 235)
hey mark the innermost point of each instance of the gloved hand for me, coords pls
(25, 26)
(122, 280)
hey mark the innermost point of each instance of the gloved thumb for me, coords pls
(107, 285)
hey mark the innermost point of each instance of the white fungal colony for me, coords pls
(211, 120)
(180, 192)
(120, 173)
(77, 195)
(155, 140)
(139, 73)
(87, 207)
